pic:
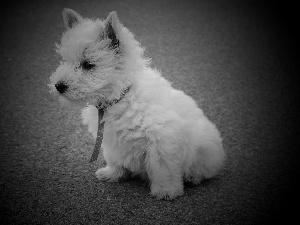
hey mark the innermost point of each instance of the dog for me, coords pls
(151, 130)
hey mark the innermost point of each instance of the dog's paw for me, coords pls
(109, 174)
(167, 193)
(193, 180)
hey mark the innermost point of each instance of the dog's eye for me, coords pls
(86, 65)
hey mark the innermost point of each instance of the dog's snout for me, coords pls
(61, 87)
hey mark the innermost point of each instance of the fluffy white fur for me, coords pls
(155, 131)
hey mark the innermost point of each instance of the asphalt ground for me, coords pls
(237, 59)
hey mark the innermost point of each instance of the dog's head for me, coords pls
(99, 59)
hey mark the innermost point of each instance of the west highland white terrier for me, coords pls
(150, 129)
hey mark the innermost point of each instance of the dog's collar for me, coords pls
(109, 103)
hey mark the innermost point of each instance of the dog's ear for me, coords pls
(71, 18)
(112, 29)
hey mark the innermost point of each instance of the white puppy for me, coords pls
(151, 129)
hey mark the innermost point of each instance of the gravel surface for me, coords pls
(236, 59)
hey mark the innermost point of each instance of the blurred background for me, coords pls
(237, 59)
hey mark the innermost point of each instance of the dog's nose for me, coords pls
(61, 87)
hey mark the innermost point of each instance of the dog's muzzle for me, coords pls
(61, 87)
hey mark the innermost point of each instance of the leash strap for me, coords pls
(99, 135)
(100, 131)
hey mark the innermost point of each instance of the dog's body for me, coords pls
(154, 131)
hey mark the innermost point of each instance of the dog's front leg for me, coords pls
(164, 170)
(113, 170)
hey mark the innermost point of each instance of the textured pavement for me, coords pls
(237, 60)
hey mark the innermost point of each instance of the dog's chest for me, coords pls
(127, 147)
